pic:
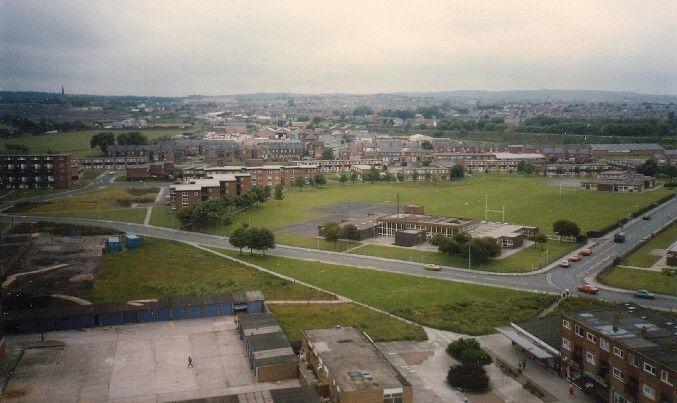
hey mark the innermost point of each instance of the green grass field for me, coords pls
(77, 143)
(637, 279)
(528, 259)
(642, 257)
(380, 327)
(459, 307)
(163, 268)
(578, 303)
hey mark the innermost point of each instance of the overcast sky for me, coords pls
(228, 47)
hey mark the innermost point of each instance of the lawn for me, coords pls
(529, 259)
(460, 307)
(112, 203)
(161, 269)
(380, 327)
(642, 257)
(77, 143)
(578, 303)
(637, 279)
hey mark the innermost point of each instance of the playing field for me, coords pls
(77, 143)
(448, 305)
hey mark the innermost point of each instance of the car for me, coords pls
(586, 252)
(574, 258)
(619, 238)
(588, 289)
(565, 264)
(112, 173)
(432, 267)
(644, 294)
(646, 217)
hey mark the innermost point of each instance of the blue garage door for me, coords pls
(110, 319)
(225, 309)
(195, 312)
(210, 310)
(162, 314)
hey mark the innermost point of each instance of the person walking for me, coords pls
(190, 362)
(524, 365)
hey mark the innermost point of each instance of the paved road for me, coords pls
(552, 279)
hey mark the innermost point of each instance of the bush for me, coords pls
(454, 349)
(468, 377)
(472, 356)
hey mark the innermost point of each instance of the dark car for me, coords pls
(644, 294)
(646, 217)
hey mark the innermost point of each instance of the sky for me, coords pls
(176, 48)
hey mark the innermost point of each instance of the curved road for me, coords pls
(552, 279)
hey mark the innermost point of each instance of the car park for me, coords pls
(588, 289)
(644, 294)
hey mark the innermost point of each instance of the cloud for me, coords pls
(215, 47)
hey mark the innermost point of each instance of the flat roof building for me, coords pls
(349, 368)
(620, 181)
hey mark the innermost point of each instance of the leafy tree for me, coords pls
(566, 228)
(481, 249)
(414, 176)
(343, 178)
(351, 232)
(261, 239)
(649, 167)
(206, 213)
(332, 232)
(540, 239)
(373, 175)
(400, 176)
(526, 167)
(462, 237)
(328, 153)
(455, 348)
(132, 138)
(428, 176)
(449, 246)
(426, 145)
(278, 192)
(300, 181)
(363, 111)
(470, 377)
(241, 238)
(319, 180)
(437, 239)
(102, 140)
(354, 176)
(457, 172)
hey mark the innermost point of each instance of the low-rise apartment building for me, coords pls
(492, 162)
(623, 354)
(111, 163)
(261, 176)
(37, 171)
(344, 365)
(620, 181)
(194, 191)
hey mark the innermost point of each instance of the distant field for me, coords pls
(294, 318)
(637, 279)
(77, 143)
(642, 257)
(448, 305)
(161, 269)
(529, 259)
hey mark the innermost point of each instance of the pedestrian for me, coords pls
(571, 390)
(190, 362)
(524, 365)
(519, 366)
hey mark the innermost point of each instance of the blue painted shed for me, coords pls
(144, 315)
(113, 244)
(162, 313)
(254, 301)
(132, 242)
(178, 312)
(110, 319)
(129, 317)
(210, 310)
(194, 311)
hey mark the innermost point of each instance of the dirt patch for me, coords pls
(416, 357)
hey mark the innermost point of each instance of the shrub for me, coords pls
(468, 377)
(472, 356)
(454, 349)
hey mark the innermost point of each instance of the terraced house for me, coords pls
(623, 354)
(37, 171)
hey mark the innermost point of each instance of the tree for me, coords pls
(332, 232)
(206, 213)
(457, 172)
(471, 377)
(328, 153)
(649, 167)
(462, 238)
(426, 145)
(241, 238)
(363, 111)
(526, 167)
(566, 228)
(540, 239)
(481, 249)
(343, 178)
(414, 176)
(132, 139)
(319, 180)
(261, 239)
(449, 246)
(354, 176)
(351, 232)
(373, 175)
(300, 181)
(437, 239)
(278, 192)
(428, 176)
(400, 176)
(102, 140)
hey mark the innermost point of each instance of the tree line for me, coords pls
(480, 249)
(647, 127)
(23, 126)
(220, 211)
(105, 139)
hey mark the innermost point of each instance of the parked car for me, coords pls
(565, 264)
(619, 238)
(646, 217)
(644, 294)
(574, 258)
(586, 252)
(588, 289)
(432, 267)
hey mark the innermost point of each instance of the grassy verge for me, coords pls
(162, 216)
(577, 304)
(637, 279)
(529, 259)
(163, 268)
(131, 215)
(642, 257)
(314, 243)
(380, 327)
(448, 305)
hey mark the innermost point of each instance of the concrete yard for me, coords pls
(137, 363)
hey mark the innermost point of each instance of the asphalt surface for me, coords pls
(552, 279)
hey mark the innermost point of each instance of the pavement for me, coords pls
(136, 363)
(551, 279)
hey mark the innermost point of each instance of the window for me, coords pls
(590, 357)
(633, 360)
(665, 377)
(618, 374)
(648, 391)
(649, 368)
(392, 397)
(578, 330)
(591, 337)
(604, 344)
(618, 352)
(566, 344)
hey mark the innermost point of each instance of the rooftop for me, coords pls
(352, 359)
(624, 323)
(425, 219)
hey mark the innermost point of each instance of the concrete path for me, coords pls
(305, 302)
(149, 213)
